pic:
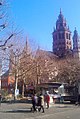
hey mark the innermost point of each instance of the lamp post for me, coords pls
(15, 87)
(16, 74)
(38, 73)
(16, 64)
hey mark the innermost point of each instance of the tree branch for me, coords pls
(7, 40)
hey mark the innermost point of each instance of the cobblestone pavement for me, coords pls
(23, 111)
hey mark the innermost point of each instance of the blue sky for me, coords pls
(38, 17)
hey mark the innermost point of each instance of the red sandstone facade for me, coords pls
(7, 83)
(61, 37)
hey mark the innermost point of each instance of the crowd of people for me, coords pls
(39, 101)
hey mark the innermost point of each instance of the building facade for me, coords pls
(62, 40)
(7, 82)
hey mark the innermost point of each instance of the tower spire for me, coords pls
(75, 28)
(60, 36)
(75, 39)
(76, 44)
(75, 32)
(60, 11)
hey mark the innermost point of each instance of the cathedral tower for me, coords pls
(76, 44)
(61, 37)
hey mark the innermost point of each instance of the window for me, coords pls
(67, 35)
(67, 47)
(61, 35)
(69, 43)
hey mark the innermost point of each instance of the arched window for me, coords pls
(69, 36)
(66, 35)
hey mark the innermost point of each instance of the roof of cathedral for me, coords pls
(61, 21)
(46, 54)
(5, 74)
(61, 17)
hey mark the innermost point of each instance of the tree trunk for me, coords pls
(23, 88)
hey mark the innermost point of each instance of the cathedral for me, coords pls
(62, 39)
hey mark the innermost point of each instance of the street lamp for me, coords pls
(16, 64)
(15, 73)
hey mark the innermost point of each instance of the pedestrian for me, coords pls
(41, 103)
(47, 100)
(34, 102)
(61, 99)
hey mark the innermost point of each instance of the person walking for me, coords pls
(34, 102)
(41, 103)
(47, 100)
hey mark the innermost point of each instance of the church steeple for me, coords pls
(61, 17)
(61, 22)
(75, 33)
(60, 11)
(75, 40)
(61, 36)
(27, 48)
(76, 44)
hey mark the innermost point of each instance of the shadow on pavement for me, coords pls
(64, 105)
(61, 106)
(28, 110)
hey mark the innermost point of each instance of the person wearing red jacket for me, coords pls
(47, 99)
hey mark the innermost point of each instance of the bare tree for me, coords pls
(4, 23)
(44, 66)
(69, 70)
(20, 64)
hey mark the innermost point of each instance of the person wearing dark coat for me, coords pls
(34, 102)
(41, 103)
